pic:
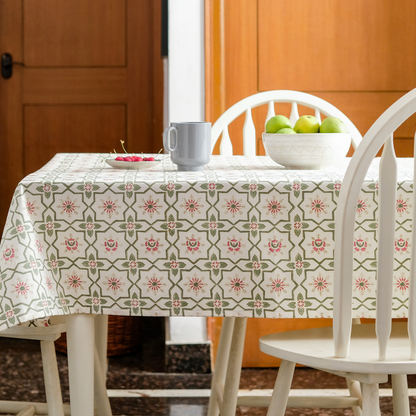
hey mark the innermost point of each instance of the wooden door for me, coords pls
(357, 54)
(92, 76)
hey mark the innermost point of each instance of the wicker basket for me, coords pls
(123, 336)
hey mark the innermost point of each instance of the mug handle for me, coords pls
(167, 142)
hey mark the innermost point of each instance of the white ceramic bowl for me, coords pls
(308, 150)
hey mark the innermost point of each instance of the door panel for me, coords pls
(80, 128)
(325, 45)
(74, 33)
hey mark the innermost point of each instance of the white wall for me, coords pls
(186, 102)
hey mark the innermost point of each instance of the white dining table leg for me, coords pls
(80, 344)
(220, 368)
(232, 379)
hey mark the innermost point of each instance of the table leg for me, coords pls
(232, 379)
(221, 362)
(80, 344)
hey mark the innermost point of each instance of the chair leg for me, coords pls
(281, 389)
(355, 391)
(51, 376)
(29, 411)
(400, 395)
(220, 370)
(101, 400)
(371, 402)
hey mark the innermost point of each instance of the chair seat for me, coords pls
(315, 348)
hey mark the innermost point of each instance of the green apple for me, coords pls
(306, 124)
(286, 130)
(277, 123)
(333, 125)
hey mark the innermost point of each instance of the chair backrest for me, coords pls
(380, 133)
(319, 106)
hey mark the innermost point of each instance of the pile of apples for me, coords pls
(305, 124)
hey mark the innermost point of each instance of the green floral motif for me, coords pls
(90, 226)
(33, 264)
(296, 187)
(45, 304)
(336, 186)
(170, 188)
(134, 303)
(298, 225)
(92, 263)
(299, 265)
(47, 188)
(174, 265)
(63, 302)
(129, 188)
(253, 187)
(253, 226)
(88, 188)
(211, 187)
(54, 264)
(258, 305)
(20, 229)
(256, 266)
(49, 226)
(212, 225)
(133, 264)
(300, 304)
(373, 225)
(171, 225)
(217, 304)
(9, 314)
(176, 304)
(2, 277)
(130, 226)
(95, 301)
(215, 265)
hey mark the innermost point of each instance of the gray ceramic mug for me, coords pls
(189, 144)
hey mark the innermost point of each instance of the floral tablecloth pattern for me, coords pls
(244, 237)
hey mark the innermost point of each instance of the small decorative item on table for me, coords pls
(308, 145)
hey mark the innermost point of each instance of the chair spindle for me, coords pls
(318, 115)
(270, 113)
(249, 135)
(226, 147)
(294, 113)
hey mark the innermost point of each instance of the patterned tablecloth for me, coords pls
(241, 238)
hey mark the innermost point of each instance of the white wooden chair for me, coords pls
(225, 382)
(47, 331)
(318, 105)
(369, 352)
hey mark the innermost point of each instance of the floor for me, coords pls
(21, 376)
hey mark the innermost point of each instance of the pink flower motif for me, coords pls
(49, 284)
(150, 207)
(360, 245)
(39, 246)
(297, 225)
(154, 284)
(215, 264)
(135, 303)
(337, 186)
(192, 206)
(20, 229)
(46, 188)
(22, 289)
(258, 304)
(401, 245)
(237, 285)
(361, 284)
(68, 207)
(217, 303)
(74, 282)
(111, 245)
(213, 225)
(89, 226)
(133, 264)
(92, 264)
(212, 186)
(192, 245)
(233, 206)
(95, 301)
(8, 254)
(174, 264)
(253, 187)
(320, 284)
(152, 245)
(171, 225)
(71, 244)
(296, 186)
(275, 246)
(361, 207)
(196, 285)
(49, 226)
(298, 264)
(109, 207)
(402, 284)
(54, 264)
(300, 303)
(130, 226)
(114, 283)
(317, 206)
(318, 245)
(170, 186)
(274, 207)
(278, 285)
(30, 207)
(234, 245)
(176, 303)
(254, 226)
(402, 205)
(129, 187)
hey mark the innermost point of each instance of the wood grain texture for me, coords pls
(51, 129)
(74, 33)
(356, 45)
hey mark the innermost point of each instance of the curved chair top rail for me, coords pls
(271, 97)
